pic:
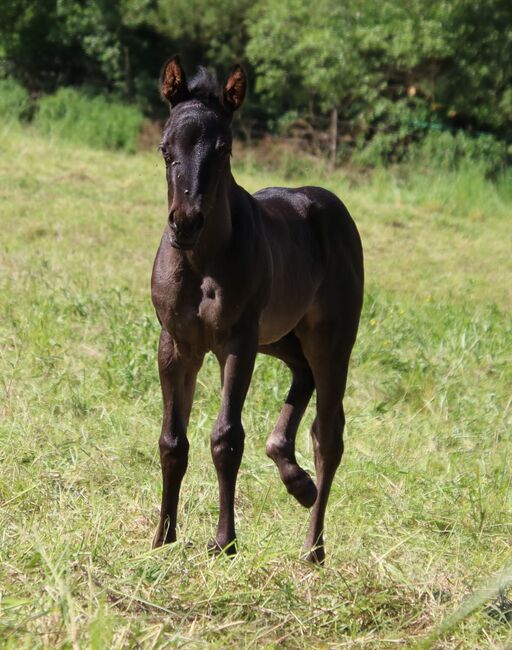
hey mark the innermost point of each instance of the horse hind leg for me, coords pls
(327, 429)
(326, 432)
(281, 443)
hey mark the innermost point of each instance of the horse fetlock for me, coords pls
(165, 534)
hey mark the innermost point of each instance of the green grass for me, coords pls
(420, 513)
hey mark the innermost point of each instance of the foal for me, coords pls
(280, 272)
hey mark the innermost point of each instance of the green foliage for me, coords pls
(94, 121)
(59, 41)
(214, 32)
(95, 26)
(14, 100)
(442, 150)
(478, 79)
(298, 56)
(385, 65)
(447, 151)
(110, 45)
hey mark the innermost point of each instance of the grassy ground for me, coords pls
(420, 513)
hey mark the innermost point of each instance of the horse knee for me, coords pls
(173, 448)
(227, 445)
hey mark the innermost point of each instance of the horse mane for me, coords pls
(204, 85)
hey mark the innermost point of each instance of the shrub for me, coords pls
(95, 121)
(387, 131)
(14, 100)
(382, 149)
(449, 152)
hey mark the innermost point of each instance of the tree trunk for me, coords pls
(334, 136)
(128, 79)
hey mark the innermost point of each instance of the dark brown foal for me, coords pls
(280, 272)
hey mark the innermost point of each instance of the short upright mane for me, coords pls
(204, 85)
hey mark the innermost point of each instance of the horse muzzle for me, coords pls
(185, 229)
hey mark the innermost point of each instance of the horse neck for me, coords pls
(218, 227)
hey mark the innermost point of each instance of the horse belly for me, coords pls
(282, 314)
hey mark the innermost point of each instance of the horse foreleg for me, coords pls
(227, 442)
(178, 380)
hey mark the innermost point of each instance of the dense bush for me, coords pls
(94, 121)
(430, 147)
(14, 100)
(447, 151)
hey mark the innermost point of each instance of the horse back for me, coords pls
(318, 219)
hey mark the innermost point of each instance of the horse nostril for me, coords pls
(171, 220)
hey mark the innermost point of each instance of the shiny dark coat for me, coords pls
(280, 272)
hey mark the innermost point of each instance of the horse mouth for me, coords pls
(181, 245)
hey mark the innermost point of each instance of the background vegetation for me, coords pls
(387, 71)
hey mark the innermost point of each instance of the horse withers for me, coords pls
(278, 272)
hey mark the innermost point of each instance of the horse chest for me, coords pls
(194, 311)
(211, 311)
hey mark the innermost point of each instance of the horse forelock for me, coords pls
(204, 85)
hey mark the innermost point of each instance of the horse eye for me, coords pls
(222, 147)
(166, 154)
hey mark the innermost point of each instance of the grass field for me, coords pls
(421, 511)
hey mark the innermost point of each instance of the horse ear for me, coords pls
(173, 83)
(234, 89)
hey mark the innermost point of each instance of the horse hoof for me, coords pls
(162, 537)
(229, 549)
(316, 556)
(301, 486)
(306, 493)
(158, 539)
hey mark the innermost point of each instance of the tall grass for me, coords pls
(14, 100)
(447, 151)
(94, 121)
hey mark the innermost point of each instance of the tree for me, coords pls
(389, 67)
